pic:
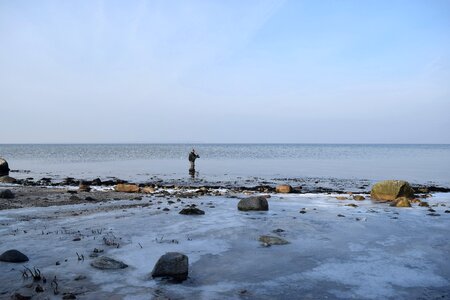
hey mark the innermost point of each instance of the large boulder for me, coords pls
(14, 256)
(253, 203)
(127, 188)
(390, 190)
(107, 263)
(6, 194)
(283, 189)
(7, 179)
(173, 265)
(4, 168)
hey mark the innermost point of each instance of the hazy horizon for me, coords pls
(296, 72)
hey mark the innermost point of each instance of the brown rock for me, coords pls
(341, 198)
(147, 190)
(358, 197)
(283, 189)
(7, 179)
(391, 190)
(402, 202)
(423, 203)
(127, 188)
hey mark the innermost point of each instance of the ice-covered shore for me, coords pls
(372, 251)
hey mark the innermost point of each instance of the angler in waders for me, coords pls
(192, 157)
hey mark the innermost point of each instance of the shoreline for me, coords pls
(48, 191)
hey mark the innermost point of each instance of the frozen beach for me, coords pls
(335, 251)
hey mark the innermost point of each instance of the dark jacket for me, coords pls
(193, 156)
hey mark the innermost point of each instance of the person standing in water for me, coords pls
(192, 157)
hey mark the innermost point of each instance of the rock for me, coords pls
(401, 202)
(351, 205)
(96, 181)
(89, 198)
(147, 190)
(253, 203)
(358, 197)
(13, 256)
(7, 179)
(341, 198)
(84, 186)
(283, 188)
(6, 194)
(107, 263)
(173, 265)
(391, 189)
(22, 294)
(424, 203)
(127, 188)
(191, 211)
(74, 198)
(4, 168)
(269, 240)
(69, 296)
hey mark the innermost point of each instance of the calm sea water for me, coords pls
(417, 163)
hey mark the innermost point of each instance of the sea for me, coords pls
(418, 163)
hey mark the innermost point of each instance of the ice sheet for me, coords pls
(374, 251)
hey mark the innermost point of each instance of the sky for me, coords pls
(225, 71)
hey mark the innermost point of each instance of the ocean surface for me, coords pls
(416, 163)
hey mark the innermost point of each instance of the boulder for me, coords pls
(6, 194)
(253, 203)
(401, 202)
(173, 265)
(4, 168)
(391, 189)
(127, 188)
(191, 211)
(424, 204)
(358, 197)
(7, 179)
(13, 256)
(268, 240)
(341, 198)
(107, 263)
(283, 189)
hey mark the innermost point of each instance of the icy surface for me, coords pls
(372, 251)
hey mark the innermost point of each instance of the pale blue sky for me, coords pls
(225, 71)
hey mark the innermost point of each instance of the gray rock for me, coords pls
(6, 194)
(272, 240)
(22, 294)
(107, 263)
(173, 265)
(254, 203)
(7, 179)
(191, 211)
(13, 256)
(4, 168)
